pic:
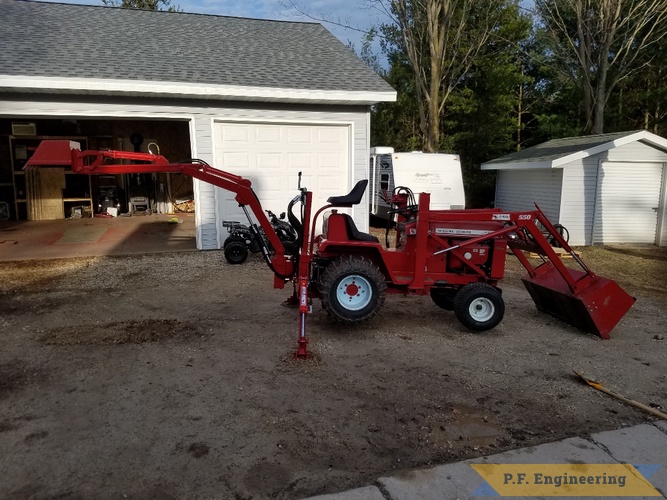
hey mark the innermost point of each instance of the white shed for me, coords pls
(607, 188)
(259, 98)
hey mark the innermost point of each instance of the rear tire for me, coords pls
(479, 307)
(236, 252)
(443, 298)
(352, 289)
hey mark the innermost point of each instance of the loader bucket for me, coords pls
(596, 306)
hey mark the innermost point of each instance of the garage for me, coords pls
(604, 189)
(266, 100)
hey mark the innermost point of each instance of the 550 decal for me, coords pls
(509, 217)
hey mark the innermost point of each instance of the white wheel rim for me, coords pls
(354, 292)
(481, 309)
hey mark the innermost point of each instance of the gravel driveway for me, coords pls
(170, 376)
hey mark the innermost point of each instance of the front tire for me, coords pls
(479, 307)
(352, 289)
(236, 252)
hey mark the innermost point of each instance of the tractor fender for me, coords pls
(371, 252)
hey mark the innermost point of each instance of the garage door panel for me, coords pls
(267, 135)
(331, 184)
(235, 162)
(299, 135)
(329, 161)
(272, 155)
(297, 161)
(235, 133)
(329, 136)
(269, 160)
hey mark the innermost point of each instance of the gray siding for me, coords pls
(577, 209)
(521, 189)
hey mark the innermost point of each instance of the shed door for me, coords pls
(272, 155)
(628, 197)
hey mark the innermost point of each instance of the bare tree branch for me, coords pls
(605, 38)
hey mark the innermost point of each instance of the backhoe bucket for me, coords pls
(52, 153)
(596, 306)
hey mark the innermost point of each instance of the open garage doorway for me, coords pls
(116, 213)
(51, 194)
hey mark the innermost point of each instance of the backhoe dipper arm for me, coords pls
(107, 162)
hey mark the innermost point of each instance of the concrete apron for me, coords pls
(93, 237)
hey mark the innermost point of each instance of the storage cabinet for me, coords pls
(49, 192)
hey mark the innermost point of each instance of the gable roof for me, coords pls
(559, 152)
(67, 48)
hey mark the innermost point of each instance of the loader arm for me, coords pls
(95, 162)
(576, 296)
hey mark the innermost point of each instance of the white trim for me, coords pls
(532, 165)
(195, 185)
(596, 208)
(662, 208)
(280, 121)
(82, 86)
(350, 166)
(102, 111)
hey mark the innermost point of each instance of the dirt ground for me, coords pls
(169, 376)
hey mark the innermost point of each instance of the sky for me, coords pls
(355, 13)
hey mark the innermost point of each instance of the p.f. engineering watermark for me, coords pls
(614, 480)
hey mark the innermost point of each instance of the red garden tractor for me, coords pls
(455, 256)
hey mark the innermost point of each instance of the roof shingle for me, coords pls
(557, 148)
(82, 41)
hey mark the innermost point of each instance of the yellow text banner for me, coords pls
(563, 480)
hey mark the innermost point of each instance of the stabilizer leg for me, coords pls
(304, 309)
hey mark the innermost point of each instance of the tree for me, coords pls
(548, 104)
(396, 124)
(142, 4)
(483, 113)
(641, 100)
(598, 43)
(441, 41)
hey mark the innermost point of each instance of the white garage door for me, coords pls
(628, 196)
(272, 155)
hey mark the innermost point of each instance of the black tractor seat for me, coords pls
(354, 234)
(352, 198)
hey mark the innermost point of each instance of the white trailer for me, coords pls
(434, 173)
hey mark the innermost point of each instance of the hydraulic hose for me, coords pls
(298, 227)
(263, 245)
